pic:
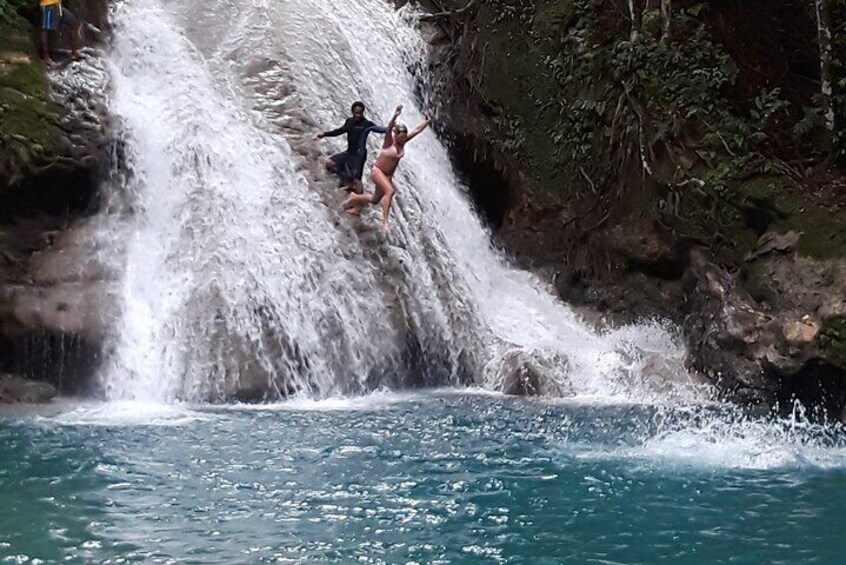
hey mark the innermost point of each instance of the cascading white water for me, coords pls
(232, 273)
(244, 278)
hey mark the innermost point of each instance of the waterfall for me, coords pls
(244, 279)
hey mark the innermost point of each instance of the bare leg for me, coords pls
(355, 187)
(45, 48)
(386, 188)
(355, 202)
(75, 36)
(386, 211)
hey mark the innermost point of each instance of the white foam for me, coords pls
(127, 413)
(373, 401)
(698, 438)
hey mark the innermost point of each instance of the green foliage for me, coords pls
(629, 128)
(767, 107)
(512, 137)
(522, 11)
(637, 127)
(591, 104)
(644, 92)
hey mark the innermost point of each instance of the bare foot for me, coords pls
(50, 63)
(386, 229)
(76, 57)
(349, 208)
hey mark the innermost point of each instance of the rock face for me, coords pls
(56, 290)
(571, 124)
(67, 291)
(784, 343)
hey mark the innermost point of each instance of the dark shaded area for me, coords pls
(67, 362)
(422, 364)
(665, 268)
(489, 189)
(769, 43)
(759, 214)
(57, 192)
(818, 385)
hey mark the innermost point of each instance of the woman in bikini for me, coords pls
(393, 149)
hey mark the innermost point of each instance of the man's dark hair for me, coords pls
(358, 104)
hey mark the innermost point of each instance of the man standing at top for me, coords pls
(349, 165)
(54, 17)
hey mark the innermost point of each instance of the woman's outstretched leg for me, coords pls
(355, 202)
(386, 188)
(356, 187)
(386, 211)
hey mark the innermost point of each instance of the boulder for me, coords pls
(15, 389)
(525, 373)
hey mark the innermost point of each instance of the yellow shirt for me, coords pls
(50, 2)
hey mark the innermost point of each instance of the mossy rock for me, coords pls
(29, 120)
(815, 214)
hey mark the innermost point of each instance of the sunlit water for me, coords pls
(441, 477)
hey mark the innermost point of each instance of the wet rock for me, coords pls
(15, 389)
(756, 351)
(69, 287)
(433, 33)
(522, 379)
(800, 331)
(729, 337)
(526, 374)
(772, 242)
(71, 137)
(82, 309)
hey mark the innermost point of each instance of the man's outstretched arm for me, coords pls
(335, 132)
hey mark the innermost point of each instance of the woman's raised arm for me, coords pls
(389, 135)
(416, 131)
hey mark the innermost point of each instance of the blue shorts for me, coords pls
(53, 16)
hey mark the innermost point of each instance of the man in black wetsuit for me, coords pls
(349, 165)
